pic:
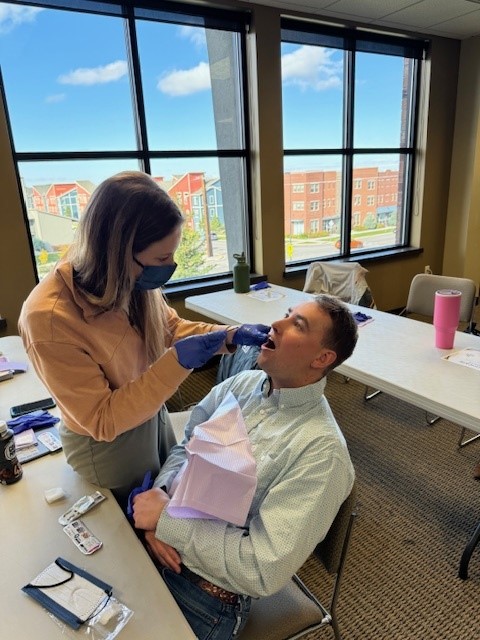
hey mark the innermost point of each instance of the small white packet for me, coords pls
(82, 537)
(81, 506)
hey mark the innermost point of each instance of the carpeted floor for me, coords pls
(418, 505)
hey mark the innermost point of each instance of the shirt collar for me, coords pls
(294, 397)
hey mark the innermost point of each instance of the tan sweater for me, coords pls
(94, 363)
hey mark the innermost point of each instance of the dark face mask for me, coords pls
(154, 277)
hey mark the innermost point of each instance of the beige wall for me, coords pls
(388, 278)
(461, 255)
(16, 269)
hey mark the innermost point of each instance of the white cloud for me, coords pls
(311, 67)
(57, 97)
(185, 82)
(194, 34)
(12, 16)
(96, 75)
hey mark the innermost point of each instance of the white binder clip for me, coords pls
(80, 507)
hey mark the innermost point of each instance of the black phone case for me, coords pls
(28, 407)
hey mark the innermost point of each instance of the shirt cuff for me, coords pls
(174, 531)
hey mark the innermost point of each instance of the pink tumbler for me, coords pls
(446, 316)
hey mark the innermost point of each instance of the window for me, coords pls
(74, 122)
(363, 87)
(298, 188)
(298, 227)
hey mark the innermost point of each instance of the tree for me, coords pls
(216, 225)
(370, 221)
(190, 255)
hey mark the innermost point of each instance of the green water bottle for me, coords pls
(241, 274)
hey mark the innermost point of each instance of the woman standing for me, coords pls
(105, 342)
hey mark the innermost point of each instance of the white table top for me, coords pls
(31, 538)
(393, 353)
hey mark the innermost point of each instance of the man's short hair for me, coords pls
(343, 333)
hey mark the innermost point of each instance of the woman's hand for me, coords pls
(251, 335)
(195, 351)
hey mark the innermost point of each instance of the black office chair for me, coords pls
(295, 611)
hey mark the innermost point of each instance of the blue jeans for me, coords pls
(209, 617)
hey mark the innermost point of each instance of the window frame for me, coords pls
(235, 20)
(352, 40)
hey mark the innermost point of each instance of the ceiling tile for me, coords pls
(448, 18)
(371, 9)
(432, 12)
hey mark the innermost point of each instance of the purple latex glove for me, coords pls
(146, 485)
(195, 351)
(251, 334)
(33, 420)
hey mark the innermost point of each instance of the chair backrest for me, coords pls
(331, 551)
(421, 296)
(346, 280)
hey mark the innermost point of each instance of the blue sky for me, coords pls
(67, 86)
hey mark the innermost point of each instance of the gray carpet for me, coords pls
(418, 505)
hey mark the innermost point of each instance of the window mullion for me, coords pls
(414, 91)
(137, 89)
(349, 105)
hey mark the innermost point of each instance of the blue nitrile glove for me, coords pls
(195, 351)
(146, 485)
(33, 420)
(260, 285)
(251, 334)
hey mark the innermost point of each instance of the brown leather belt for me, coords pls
(212, 589)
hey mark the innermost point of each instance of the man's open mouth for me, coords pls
(269, 344)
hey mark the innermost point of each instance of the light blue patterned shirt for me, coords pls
(304, 474)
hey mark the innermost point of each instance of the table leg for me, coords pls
(467, 554)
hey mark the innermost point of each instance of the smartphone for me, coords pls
(28, 407)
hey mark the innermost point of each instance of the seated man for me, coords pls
(304, 473)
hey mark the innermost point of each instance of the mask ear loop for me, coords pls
(138, 262)
(56, 584)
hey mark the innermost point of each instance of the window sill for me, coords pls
(367, 257)
(180, 290)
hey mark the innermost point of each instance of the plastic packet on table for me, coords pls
(104, 625)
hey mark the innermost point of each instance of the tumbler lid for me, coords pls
(448, 292)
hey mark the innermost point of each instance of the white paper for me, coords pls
(25, 439)
(266, 295)
(467, 357)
